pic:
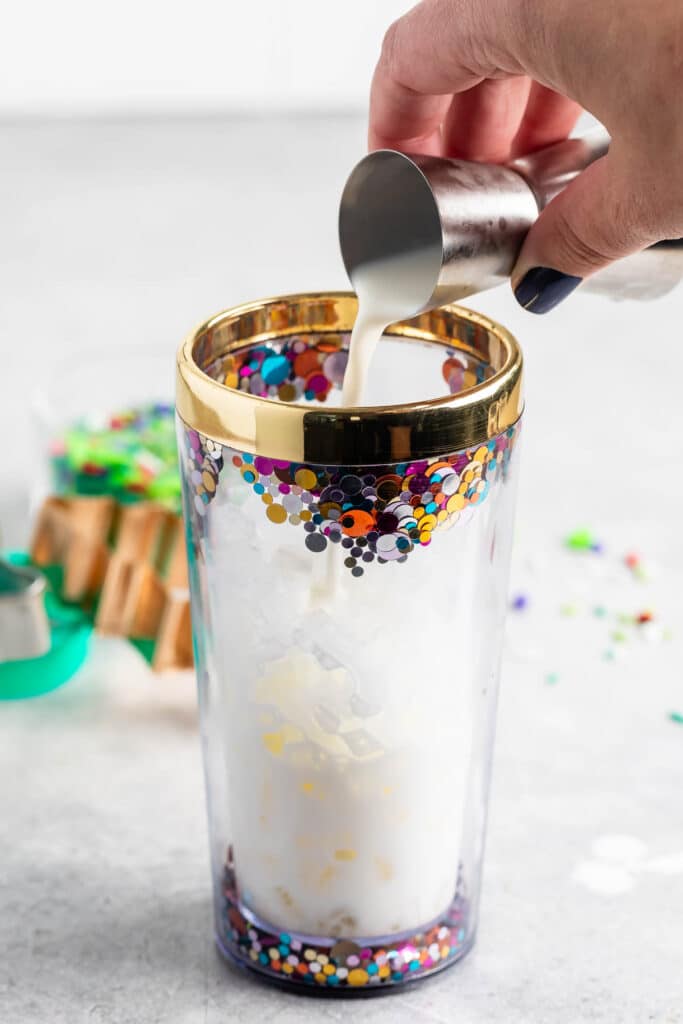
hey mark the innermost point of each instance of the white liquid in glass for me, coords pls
(333, 837)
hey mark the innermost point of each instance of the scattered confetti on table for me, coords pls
(583, 540)
(601, 592)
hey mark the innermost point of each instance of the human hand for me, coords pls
(495, 79)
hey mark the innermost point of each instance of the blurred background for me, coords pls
(160, 162)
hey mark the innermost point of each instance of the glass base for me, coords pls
(340, 967)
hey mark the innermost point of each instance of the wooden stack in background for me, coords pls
(127, 564)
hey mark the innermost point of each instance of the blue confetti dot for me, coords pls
(275, 369)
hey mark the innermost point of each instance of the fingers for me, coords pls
(482, 123)
(450, 81)
(549, 117)
(402, 119)
(598, 218)
(421, 65)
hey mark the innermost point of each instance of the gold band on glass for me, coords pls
(366, 436)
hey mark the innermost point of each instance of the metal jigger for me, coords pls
(464, 223)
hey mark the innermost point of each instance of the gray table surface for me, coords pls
(135, 231)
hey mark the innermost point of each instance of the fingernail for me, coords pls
(542, 288)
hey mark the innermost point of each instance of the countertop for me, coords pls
(133, 232)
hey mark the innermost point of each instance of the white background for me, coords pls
(148, 56)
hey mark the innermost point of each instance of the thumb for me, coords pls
(592, 222)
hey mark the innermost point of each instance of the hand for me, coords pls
(492, 79)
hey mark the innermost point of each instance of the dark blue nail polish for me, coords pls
(542, 288)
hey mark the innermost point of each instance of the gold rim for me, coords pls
(370, 435)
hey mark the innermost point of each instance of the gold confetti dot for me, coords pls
(305, 478)
(345, 854)
(276, 513)
(455, 503)
(274, 742)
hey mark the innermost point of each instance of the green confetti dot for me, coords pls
(552, 678)
(580, 540)
(676, 717)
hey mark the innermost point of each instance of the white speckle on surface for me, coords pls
(627, 851)
(604, 878)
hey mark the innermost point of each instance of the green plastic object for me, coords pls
(130, 456)
(70, 632)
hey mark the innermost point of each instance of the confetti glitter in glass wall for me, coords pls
(342, 963)
(372, 514)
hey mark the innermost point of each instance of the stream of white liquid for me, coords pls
(387, 291)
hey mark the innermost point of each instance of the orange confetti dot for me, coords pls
(356, 523)
(306, 363)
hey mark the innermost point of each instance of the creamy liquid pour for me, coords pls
(388, 290)
(384, 296)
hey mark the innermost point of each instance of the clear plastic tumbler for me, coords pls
(348, 572)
